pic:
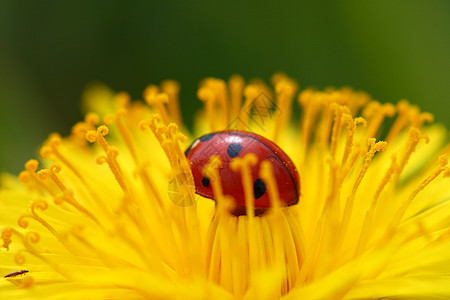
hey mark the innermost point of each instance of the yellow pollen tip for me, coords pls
(172, 129)
(32, 165)
(6, 237)
(101, 159)
(32, 237)
(43, 174)
(79, 129)
(45, 152)
(205, 94)
(112, 152)
(170, 86)
(250, 92)
(285, 91)
(236, 82)
(91, 136)
(103, 130)
(427, 117)
(277, 77)
(143, 125)
(92, 119)
(39, 204)
(236, 86)
(388, 109)
(121, 112)
(55, 140)
(216, 97)
(306, 97)
(19, 258)
(443, 160)
(54, 168)
(24, 177)
(109, 119)
(158, 100)
(150, 92)
(377, 146)
(60, 199)
(49, 147)
(22, 222)
(6, 233)
(123, 99)
(360, 121)
(162, 98)
(286, 87)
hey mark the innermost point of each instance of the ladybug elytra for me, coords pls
(231, 144)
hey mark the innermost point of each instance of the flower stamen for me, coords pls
(158, 100)
(327, 103)
(78, 132)
(351, 129)
(374, 113)
(405, 204)
(31, 238)
(219, 89)
(6, 237)
(111, 155)
(243, 165)
(250, 94)
(209, 98)
(236, 88)
(67, 194)
(129, 204)
(336, 131)
(52, 148)
(407, 115)
(414, 138)
(285, 89)
(31, 167)
(267, 176)
(311, 109)
(374, 147)
(125, 134)
(172, 89)
(367, 226)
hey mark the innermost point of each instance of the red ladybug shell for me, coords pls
(230, 144)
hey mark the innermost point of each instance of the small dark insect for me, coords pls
(16, 273)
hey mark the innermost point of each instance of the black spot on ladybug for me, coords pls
(234, 149)
(259, 188)
(207, 137)
(205, 181)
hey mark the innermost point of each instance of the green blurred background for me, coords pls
(50, 50)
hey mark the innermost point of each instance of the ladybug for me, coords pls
(230, 144)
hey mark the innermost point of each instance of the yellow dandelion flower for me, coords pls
(110, 212)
